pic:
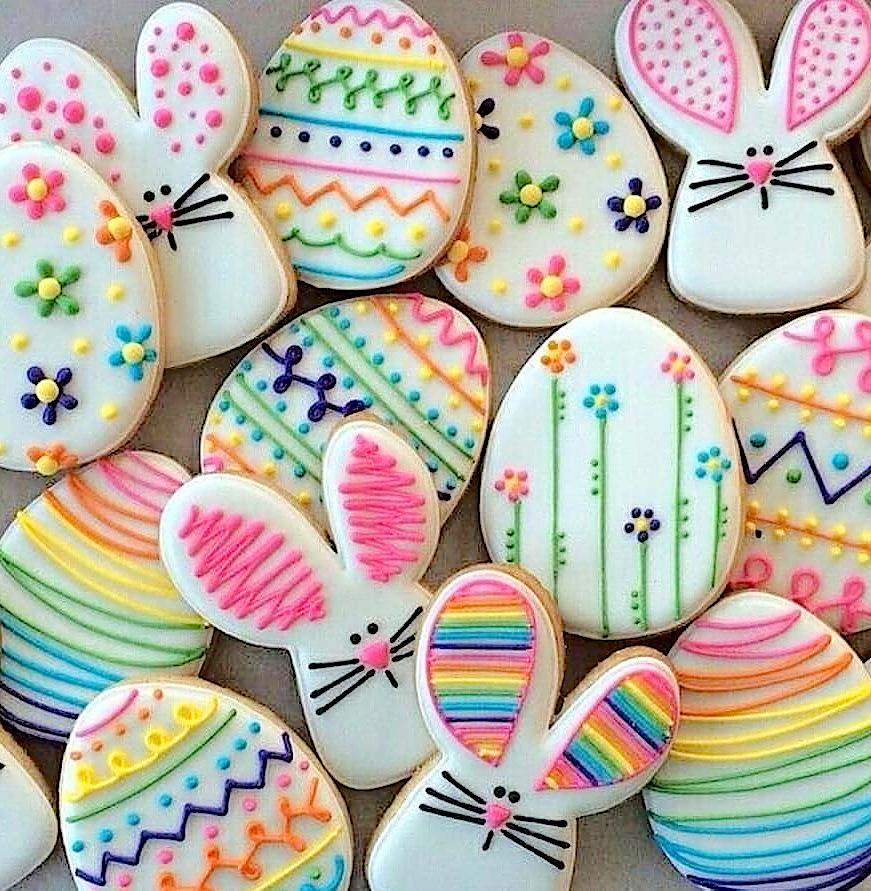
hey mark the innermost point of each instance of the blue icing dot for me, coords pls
(191, 782)
(378, 359)
(395, 149)
(165, 800)
(308, 341)
(344, 324)
(328, 361)
(77, 846)
(254, 727)
(240, 419)
(347, 382)
(359, 341)
(757, 440)
(365, 146)
(451, 430)
(432, 465)
(304, 427)
(223, 404)
(261, 385)
(414, 395)
(256, 435)
(423, 151)
(840, 460)
(395, 377)
(105, 835)
(133, 819)
(281, 406)
(450, 484)
(367, 401)
(223, 762)
(304, 136)
(278, 453)
(333, 311)
(295, 327)
(448, 152)
(245, 365)
(239, 744)
(469, 443)
(335, 141)
(432, 413)
(298, 471)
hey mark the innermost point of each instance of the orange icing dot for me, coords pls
(404, 42)
(97, 745)
(377, 37)
(315, 26)
(75, 756)
(144, 714)
(345, 31)
(431, 49)
(120, 730)
(158, 693)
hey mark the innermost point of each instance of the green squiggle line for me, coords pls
(338, 241)
(718, 515)
(678, 507)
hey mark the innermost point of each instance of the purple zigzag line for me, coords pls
(190, 810)
(799, 440)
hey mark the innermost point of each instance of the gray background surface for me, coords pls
(616, 852)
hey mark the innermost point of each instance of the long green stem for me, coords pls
(554, 492)
(718, 511)
(642, 583)
(603, 573)
(517, 506)
(678, 500)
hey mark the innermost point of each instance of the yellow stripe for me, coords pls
(614, 754)
(310, 854)
(362, 56)
(650, 703)
(470, 616)
(475, 678)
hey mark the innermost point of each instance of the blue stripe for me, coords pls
(639, 722)
(357, 276)
(363, 128)
(30, 727)
(71, 679)
(46, 691)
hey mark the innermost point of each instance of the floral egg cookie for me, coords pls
(570, 204)
(81, 353)
(364, 150)
(799, 400)
(181, 785)
(84, 598)
(766, 785)
(413, 361)
(611, 475)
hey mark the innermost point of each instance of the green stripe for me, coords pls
(338, 241)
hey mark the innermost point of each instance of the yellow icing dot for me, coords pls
(18, 341)
(743, 394)
(393, 307)
(805, 541)
(866, 430)
(47, 466)
(613, 259)
(778, 380)
(453, 400)
(215, 418)
(424, 372)
(551, 286)
(47, 390)
(863, 557)
(498, 286)
(634, 206)
(477, 425)
(494, 225)
(133, 353)
(615, 103)
(807, 391)
(780, 533)
(423, 340)
(473, 83)
(773, 404)
(390, 335)
(361, 307)
(843, 399)
(455, 372)
(531, 195)
(614, 160)
(416, 231)
(10, 239)
(575, 224)
(2, 448)
(563, 82)
(269, 468)
(114, 292)
(840, 423)
(458, 252)
(494, 165)
(108, 411)
(805, 414)
(517, 57)
(839, 530)
(326, 218)
(235, 438)
(303, 498)
(526, 120)
(582, 128)
(283, 210)
(375, 227)
(119, 228)
(81, 345)
(37, 189)
(49, 288)
(71, 234)
(836, 550)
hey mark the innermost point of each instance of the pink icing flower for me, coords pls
(513, 483)
(38, 191)
(551, 285)
(678, 367)
(518, 59)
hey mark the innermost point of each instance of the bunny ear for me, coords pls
(193, 84)
(822, 66)
(381, 501)
(245, 558)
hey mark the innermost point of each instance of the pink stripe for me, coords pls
(746, 624)
(88, 729)
(114, 474)
(729, 651)
(630, 739)
(761, 634)
(170, 483)
(417, 28)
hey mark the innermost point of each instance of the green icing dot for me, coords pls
(793, 475)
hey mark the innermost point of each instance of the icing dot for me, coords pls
(36, 124)
(757, 440)
(867, 496)
(335, 141)
(210, 831)
(74, 112)
(612, 259)
(114, 292)
(185, 88)
(159, 67)
(133, 819)
(793, 475)
(283, 780)
(165, 800)
(124, 880)
(395, 149)
(254, 727)
(223, 762)
(18, 341)
(209, 73)
(214, 118)
(51, 106)
(365, 146)
(283, 210)
(104, 143)
(184, 31)
(105, 835)
(58, 133)
(71, 234)
(29, 98)
(164, 855)
(304, 765)
(10, 239)
(175, 146)
(81, 345)
(73, 81)
(499, 286)
(249, 804)
(840, 460)
(162, 117)
(77, 846)
(108, 411)
(240, 744)
(448, 152)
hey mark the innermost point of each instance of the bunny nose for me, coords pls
(162, 215)
(759, 171)
(496, 815)
(374, 654)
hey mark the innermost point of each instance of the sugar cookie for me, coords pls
(196, 98)
(766, 786)
(181, 785)
(611, 476)
(761, 181)
(570, 204)
(84, 599)
(253, 564)
(415, 362)
(364, 149)
(497, 809)
(861, 301)
(81, 353)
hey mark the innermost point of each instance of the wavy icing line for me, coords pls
(419, 29)
(339, 241)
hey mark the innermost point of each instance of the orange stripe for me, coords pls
(713, 685)
(216, 441)
(810, 403)
(84, 493)
(785, 663)
(794, 527)
(620, 740)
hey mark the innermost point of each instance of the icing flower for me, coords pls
(49, 393)
(116, 231)
(529, 196)
(38, 192)
(48, 460)
(518, 59)
(462, 252)
(485, 109)
(634, 207)
(551, 285)
(711, 463)
(580, 128)
(557, 355)
(678, 367)
(50, 288)
(642, 523)
(133, 353)
(601, 400)
(513, 483)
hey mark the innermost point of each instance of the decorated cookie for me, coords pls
(611, 476)
(497, 809)
(571, 202)
(27, 821)
(415, 362)
(251, 562)
(761, 183)
(766, 786)
(364, 150)
(184, 786)
(81, 353)
(84, 599)
(799, 400)
(195, 96)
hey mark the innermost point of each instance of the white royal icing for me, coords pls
(570, 204)
(764, 219)
(195, 104)
(611, 475)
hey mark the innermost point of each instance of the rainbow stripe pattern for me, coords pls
(480, 658)
(627, 730)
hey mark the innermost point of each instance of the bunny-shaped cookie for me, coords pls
(496, 811)
(764, 219)
(250, 561)
(223, 274)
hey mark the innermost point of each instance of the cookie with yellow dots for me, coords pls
(800, 399)
(412, 361)
(81, 354)
(570, 204)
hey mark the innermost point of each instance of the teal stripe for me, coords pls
(339, 124)
(652, 728)
(46, 691)
(71, 679)
(389, 272)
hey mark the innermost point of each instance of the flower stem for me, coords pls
(517, 506)
(554, 494)
(642, 583)
(678, 505)
(603, 577)
(718, 515)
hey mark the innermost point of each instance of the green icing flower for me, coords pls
(50, 288)
(529, 196)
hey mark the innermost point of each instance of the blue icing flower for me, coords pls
(580, 128)
(134, 352)
(712, 463)
(601, 400)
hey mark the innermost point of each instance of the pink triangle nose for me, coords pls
(162, 215)
(496, 815)
(759, 171)
(374, 654)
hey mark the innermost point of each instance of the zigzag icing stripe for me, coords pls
(380, 15)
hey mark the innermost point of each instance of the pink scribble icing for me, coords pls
(825, 359)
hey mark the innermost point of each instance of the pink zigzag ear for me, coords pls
(831, 50)
(685, 54)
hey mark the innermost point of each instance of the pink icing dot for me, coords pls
(214, 118)
(200, 138)
(151, 48)
(162, 117)
(15, 137)
(186, 66)
(36, 124)
(76, 148)
(164, 855)
(158, 30)
(74, 112)
(304, 765)
(2, 108)
(124, 880)
(175, 147)
(185, 88)
(46, 66)
(209, 73)
(51, 106)
(29, 98)
(159, 67)
(192, 114)
(159, 93)
(204, 47)
(114, 175)
(73, 81)
(104, 143)
(249, 804)
(174, 45)
(16, 73)
(184, 31)
(220, 90)
(210, 831)
(98, 122)
(283, 780)
(58, 133)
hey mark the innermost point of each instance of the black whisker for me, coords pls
(447, 799)
(722, 197)
(325, 708)
(339, 663)
(402, 656)
(806, 168)
(796, 154)
(540, 821)
(719, 180)
(460, 787)
(190, 190)
(198, 204)
(466, 818)
(820, 190)
(145, 219)
(763, 195)
(226, 215)
(154, 234)
(533, 850)
(335, 683)
(713, 162)
(171, 239)
(488, 841)
(404, 627)
(403, 643)
(391, 677)
(556, 842)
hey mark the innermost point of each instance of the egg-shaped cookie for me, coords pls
(182, 785)
(412, 361)
(611, 475)
(364, 152)
(766, 785)
(81, 354)
(84, 599)
(799, 399)
(570, 205)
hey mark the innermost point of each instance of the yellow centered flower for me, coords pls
(48, 288)
(551, 286)
(712, 464)
(478, 121)
(530, 195)
(458, 252)
(46, 465)
(634, 206)
(47, 391)
(119, 228)
(517, 57)
(582, 128)
(133, 353)
(642, 524)
(37, 189)
(678, 366)
(600, 400)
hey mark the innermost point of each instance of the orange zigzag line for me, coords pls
(309, 198)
